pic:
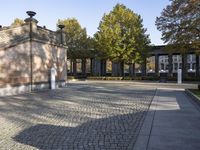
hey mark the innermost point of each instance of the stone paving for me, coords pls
(78, 117)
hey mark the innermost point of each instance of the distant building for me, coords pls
(159, 62)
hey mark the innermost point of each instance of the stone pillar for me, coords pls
(197, 65)
(103, 67)
(157, 65)
(184, 62)
(121, 69)
(91, 66)
(71, 67)
(132, 69)
(114, 69)
(97, 67)
(74, 67)
(144, 67)
(170, 65)
(83, 66)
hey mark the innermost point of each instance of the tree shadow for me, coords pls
(117, 132)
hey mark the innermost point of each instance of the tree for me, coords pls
(77, 40)
(180, 24)
(121, 36)
(78, 43)
(17, 22)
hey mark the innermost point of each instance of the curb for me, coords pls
(192, 96)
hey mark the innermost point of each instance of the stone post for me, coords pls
(32, 27)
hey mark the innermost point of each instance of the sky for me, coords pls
(88, 12)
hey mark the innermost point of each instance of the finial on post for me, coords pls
(31, 19)
(31, 13)
(61, 26)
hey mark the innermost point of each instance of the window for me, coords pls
(137, 68)
(78, 65)
(151, 64)
(126, 68)
(88, 65)
(108, 66)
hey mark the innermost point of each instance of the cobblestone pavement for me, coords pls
(77, 117)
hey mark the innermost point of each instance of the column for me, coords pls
(74, 67)
(132, 69)
(170, 64)
(184, 62)
(144, 64)
(114, 69)
(91, 66)
(157, 65)
(103, 67)
(197, 65)
(83, 66)
(121, 69)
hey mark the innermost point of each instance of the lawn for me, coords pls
(196, 92)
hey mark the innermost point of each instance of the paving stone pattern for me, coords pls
(74, 118)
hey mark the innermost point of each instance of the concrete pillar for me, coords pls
(103, 67)
(170, 64)
(121, 69)
(197, 65)
(132, 69)
(114, 69)
(91, 66)
(157, 65)
(184, 64)
(74, 67)
(83, 66)
(70, 67)
(144, 67)
(97, 67)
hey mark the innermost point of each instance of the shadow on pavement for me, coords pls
(118, 132)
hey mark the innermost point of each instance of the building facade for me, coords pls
(27, 53)
(159, 63)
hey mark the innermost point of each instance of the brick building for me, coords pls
(27, 52)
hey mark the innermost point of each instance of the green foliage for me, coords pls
(17, 22)
(121, 36)
(79, 45)
(180, 24)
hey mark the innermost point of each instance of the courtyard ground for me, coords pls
(89, 115)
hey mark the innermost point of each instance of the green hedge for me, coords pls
(150, 78)
(122, 78)
(104, 78)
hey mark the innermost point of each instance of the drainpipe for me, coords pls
(30, 20)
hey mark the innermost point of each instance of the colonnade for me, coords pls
(160, 64)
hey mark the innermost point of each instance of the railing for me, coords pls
(13, 34)
(46, 35)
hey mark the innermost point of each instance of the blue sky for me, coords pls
(88, 12)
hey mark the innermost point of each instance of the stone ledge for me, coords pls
(195, 98)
